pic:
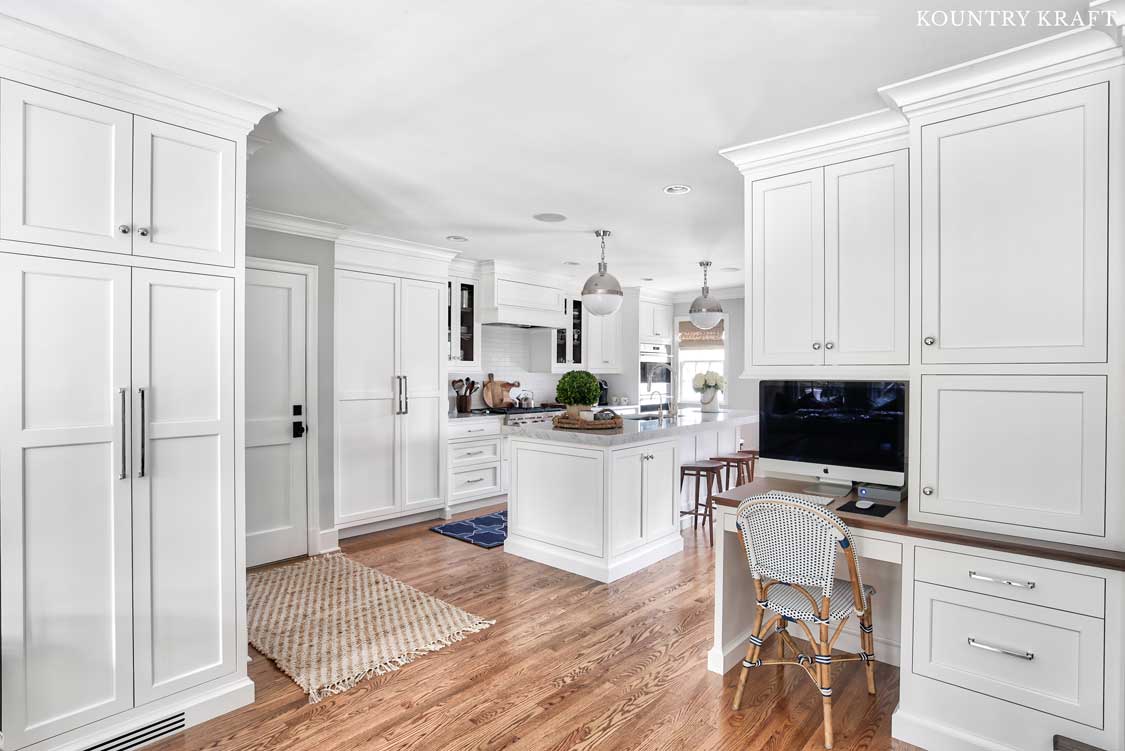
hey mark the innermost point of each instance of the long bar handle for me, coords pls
(141, 391)
(124, 473)
(398, 395)
(1023, 655)
(997, 580)
(406, 394)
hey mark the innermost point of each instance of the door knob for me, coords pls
(816, 345)
(929, 341)
(123, 229)
(927, 491)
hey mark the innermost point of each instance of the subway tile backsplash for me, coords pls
(506, 353)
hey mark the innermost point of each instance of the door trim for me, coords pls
(312, 413)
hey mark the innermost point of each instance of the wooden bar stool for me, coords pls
(742, 464)
(753, 454)
(709, 472)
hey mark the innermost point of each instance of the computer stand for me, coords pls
(828, 488)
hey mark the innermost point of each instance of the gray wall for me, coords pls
(322, 254)
(741, 393)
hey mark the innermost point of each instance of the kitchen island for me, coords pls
(606, 503)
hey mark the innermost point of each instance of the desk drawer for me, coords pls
(1013, 581)
(475, 482)
(473, 428)
(1044, 659)
(464, 453)
(876, 548)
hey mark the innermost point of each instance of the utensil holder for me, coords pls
(464, 404)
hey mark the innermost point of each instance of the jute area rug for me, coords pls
(329, 622)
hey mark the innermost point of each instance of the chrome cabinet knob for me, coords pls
(123, 229)
(816, 345)
(829, 345)
(929, 341)
(142, 231)
(927, 490)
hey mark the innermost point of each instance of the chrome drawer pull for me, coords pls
(473, 453)
(476, 430)
(1001, 650)
(995, 580)
(478, 479)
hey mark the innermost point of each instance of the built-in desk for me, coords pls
(955, 584)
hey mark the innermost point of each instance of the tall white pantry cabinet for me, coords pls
(122, 211)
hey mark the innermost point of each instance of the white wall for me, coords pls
(506, 353)
(321, 253)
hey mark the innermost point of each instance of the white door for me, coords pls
(1014, 232)
(425, 404)
(627, 489)
(65, 571)
(368, 396)
(1027, 451)
(65, 170)
(183, 194)
(866, 261)
(787, 249)
(183, 481)
(276, 486)
(662, 511)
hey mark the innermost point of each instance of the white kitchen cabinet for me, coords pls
(183, 455)
(66, 579)
(603, 336)
(1021, 454)
(662, 512)
(1014, 210)
(464, 326)
(390, 396)
(183, 194)
(867, 261)
(643, 488)
(65, 170)
(560, 350)
(81, 175)
(655, 321)
(787, 249)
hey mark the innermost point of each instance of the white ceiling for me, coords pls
(419, 119)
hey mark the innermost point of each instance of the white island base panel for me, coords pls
(599, 512)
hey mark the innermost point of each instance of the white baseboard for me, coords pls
(460, 508)
(598, 569)
(398, 521)
(925, 734)
(325, 541)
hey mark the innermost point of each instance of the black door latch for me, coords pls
(298, 429)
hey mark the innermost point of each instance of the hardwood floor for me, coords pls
(570, 664)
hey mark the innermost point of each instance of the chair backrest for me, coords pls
(791, 540)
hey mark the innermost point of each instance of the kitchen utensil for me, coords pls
(458, 386)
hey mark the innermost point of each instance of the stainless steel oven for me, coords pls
(653, 356)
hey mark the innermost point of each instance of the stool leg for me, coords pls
(695, 507)
(753, 465)
(711, 509)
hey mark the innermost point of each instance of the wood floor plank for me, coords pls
(570, 664)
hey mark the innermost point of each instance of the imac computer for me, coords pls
(837, 432)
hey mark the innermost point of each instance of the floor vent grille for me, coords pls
(142, 735)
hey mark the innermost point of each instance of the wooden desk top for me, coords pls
(897, 523)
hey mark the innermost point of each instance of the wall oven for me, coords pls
(652, 357)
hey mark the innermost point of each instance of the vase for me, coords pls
(574, 411)
(709, 399)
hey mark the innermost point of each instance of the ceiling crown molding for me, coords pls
(38, 56)
(393, 245)
(291, 224)
(884, 127)
(1070, 53)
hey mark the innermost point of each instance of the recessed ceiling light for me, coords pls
(677, 190)
(730, 268)
(646, 278)
(549, 217)
(571, 263)
(457, 238)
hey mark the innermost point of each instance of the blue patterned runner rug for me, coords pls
(488, 531)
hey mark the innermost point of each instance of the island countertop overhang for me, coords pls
(638, 431)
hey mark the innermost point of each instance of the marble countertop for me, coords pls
(471, 416)
(636, 431)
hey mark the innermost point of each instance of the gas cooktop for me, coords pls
(517, 410)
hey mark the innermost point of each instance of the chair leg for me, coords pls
(781, 641)
(752, 653)
(867, 632)
(826, 686)
(709, 513)
(695, 506)
(753, 464)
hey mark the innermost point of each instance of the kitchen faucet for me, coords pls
(673, 402)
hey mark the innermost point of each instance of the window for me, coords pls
(699, 350)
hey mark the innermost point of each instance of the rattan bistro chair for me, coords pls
(791, 545)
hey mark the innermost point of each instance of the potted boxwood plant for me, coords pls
(578, 390)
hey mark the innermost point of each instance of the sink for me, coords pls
(645, 416)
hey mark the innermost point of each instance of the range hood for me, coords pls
(516, 297)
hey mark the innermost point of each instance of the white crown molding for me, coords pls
(465, 268)
(384, 244)
(1070, 53)
(291, 224)
(40, 57)
(882, 129)
(255, 143)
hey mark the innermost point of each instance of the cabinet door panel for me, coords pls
(183, 194)
(65, 170)
(1022, 187)
(65, 559)
(368, 397)
(183, 489)
(627, 508)
(662, 515)
(426, 405)
(1028, 451)
(866, 261)
(788, 269)
(662, 321)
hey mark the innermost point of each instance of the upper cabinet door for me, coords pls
(787, 249)
(662, 321)
(183, 194)
(866, 261)
(65, 171)
(1021, 188)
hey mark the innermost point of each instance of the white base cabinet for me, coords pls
(475, 459)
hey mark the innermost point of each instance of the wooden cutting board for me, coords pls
(495, 393)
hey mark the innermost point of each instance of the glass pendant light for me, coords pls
(602, 295)
(705, 311)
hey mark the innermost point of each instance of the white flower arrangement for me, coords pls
(708, 380)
